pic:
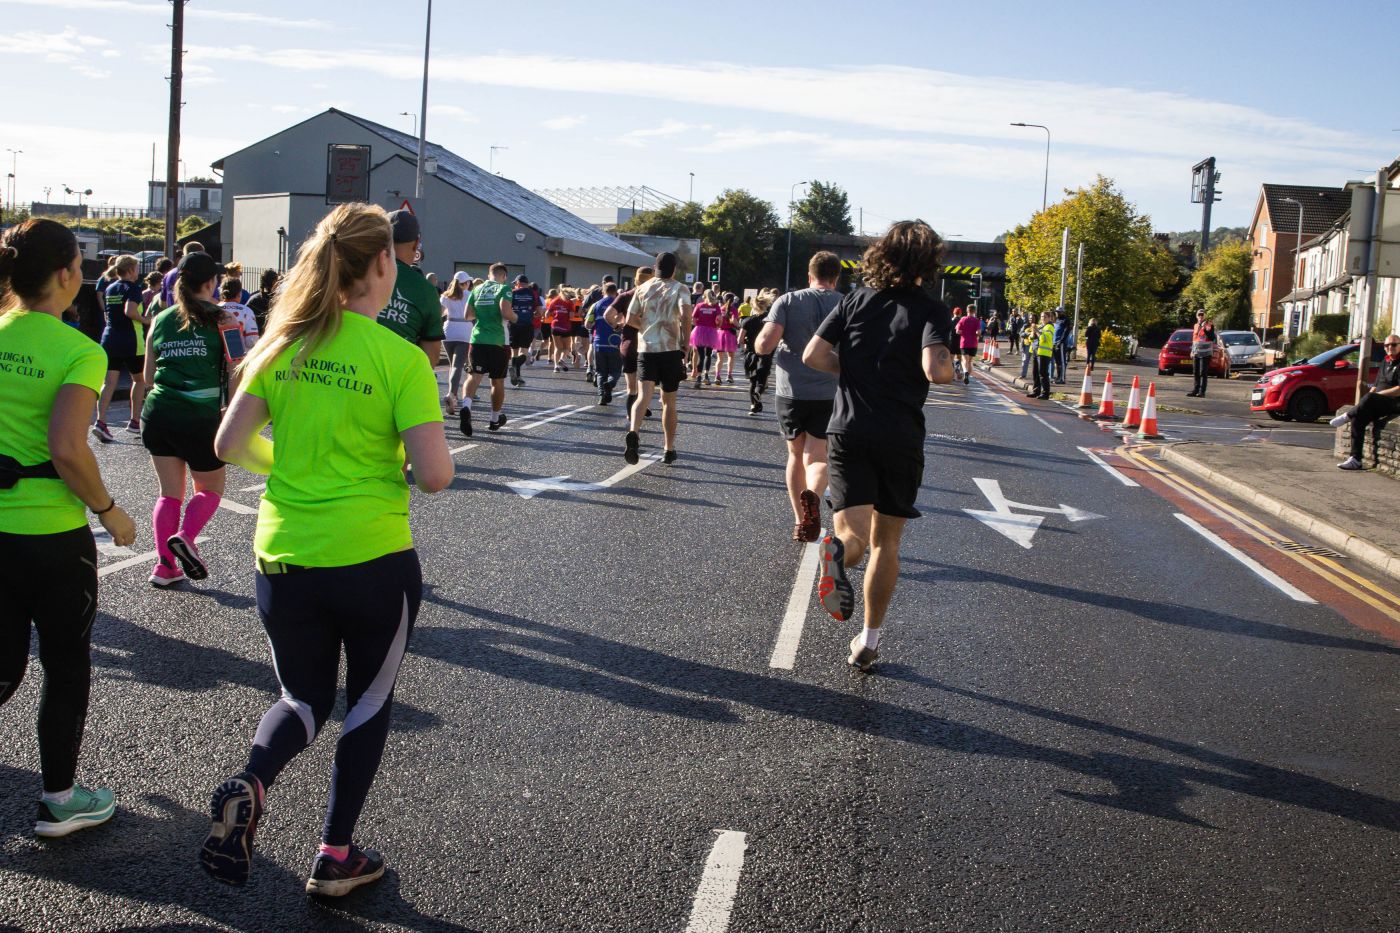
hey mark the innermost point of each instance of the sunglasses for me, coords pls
(1389, 345)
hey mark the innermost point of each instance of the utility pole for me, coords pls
(172, 151)
(423, 118)
(1373, 281)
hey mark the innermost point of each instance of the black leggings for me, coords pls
(368, 609)
(50, 581)
(704, 356)
(757, 369)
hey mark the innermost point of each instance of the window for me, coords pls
(558, 275)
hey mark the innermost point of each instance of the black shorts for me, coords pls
(869, 474)
(190, 441)
(578, 330)
(125, 364)
(798, 416)
(489, 360)
(628, 348)
(521, 336)
(563, 332)
(666, 369)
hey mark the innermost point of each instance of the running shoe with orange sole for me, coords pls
(833, 589)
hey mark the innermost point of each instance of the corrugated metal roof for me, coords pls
(501, 193)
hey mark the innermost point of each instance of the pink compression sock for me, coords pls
(197, 514)
(165, 521)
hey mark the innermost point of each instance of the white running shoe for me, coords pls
(1338, 421)
(1350, 463)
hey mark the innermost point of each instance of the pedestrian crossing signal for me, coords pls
(714, 270)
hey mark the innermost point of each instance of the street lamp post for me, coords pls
(410, 113)
(787, 266)
(691, 199)
(14, 172)
(1297, 265)
(1045, 189)
(423, 107)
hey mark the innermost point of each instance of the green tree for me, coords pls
(825, 209)
(1124, 265)
(1220, 285)
(743, 230)
(686, 221)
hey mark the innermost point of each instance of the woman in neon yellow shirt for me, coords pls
(50, 377)
(336, 564)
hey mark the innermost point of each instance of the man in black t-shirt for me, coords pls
(1382, 401)
(886, 342)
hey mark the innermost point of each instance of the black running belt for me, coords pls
(12, 471)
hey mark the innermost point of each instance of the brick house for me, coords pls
(1273, 232)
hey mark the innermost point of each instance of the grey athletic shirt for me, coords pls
(799, 314)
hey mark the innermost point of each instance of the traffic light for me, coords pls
(714, 270)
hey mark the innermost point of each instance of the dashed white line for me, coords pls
(714, 899)
(237, 507)
(790, 632)
(1264, 573)
(1103, 463)
(1046, 423)
(256, 487)
(457, 450)
(564, 414)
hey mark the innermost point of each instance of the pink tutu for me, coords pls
(702, 336)
(728, 341)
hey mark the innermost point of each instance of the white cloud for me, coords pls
(668, 128)
(564, 123)
(195, 10)
(451, 112)
(74, 51)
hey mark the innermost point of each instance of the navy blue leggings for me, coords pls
(368, 609)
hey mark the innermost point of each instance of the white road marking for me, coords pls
(1019, 528)
(107, 547)
(790, 632)
(540, 414)
(457, 450)
(1047, 424)
(714, 899)
(1103, 463)
(237, 507)
(564, 414)
(256, 487)
(529, 488)
(1264, 573)
(138, 559)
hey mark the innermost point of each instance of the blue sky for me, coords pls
(906, 105)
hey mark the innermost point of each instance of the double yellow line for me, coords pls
(1334, 573)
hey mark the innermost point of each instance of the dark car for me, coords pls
(1309, 389)
(1175, 356)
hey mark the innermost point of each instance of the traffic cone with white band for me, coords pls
(1106, 404)
(1086, 393)
(1133, 418)
(996, 352)
(1148, 430)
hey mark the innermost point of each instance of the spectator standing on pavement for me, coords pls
(1092, 336)
(1028, 341)
(413, 311)
(885, 343)
(1381, 401)
(1061, 348)
(1202, 352)
(805, 395)
(967, 328)
(660, 311)
(1043, 348)
(336, 567)
(48, 476)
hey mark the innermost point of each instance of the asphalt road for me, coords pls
(1118, 726)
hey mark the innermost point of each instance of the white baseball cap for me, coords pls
(463, 277)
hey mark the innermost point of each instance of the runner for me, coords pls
(886, 342)
(524, 300)
(185, 367)
(616, 316)
(122, 302)
(336, 564)
(804, 394)
(728, 338)
(413, 311)
(967, 327)
(607, 356)
(242, 314)
(704, 338)
(576, 329)
(660, 311)
(558, 310)
(490, 307)
(48, 559)
(757, 366)
(261, 302)
(458, 338)
(167, 285)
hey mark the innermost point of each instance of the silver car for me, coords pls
(1244, 349)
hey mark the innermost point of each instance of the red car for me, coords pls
(1310, 389)
(1175, 356)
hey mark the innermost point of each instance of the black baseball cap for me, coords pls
(522, 279)
(405, 226)
(198, 268)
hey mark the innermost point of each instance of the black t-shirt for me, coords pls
(1092, 335)
(751, 326)
(1388, 374)
(259, 305)
(880, 336)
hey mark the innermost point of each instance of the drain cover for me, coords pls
(1314, 550)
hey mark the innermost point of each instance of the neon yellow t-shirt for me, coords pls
(337, 494)
(39, 354)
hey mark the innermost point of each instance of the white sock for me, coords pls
(467, 403)
(60, 798)
(495, 414)
(870, 637)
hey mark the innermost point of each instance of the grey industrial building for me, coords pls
(275, 191)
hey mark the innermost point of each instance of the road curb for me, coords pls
(1002, 374)
(1338, 539)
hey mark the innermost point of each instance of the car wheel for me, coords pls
(1165, 372)
(1306, 406)
(1278, 415)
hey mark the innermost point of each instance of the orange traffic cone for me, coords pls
(1133, 418)
(1148, 431)
(996, 352)
(986, 351)
(1106, 404)
(1086, 393)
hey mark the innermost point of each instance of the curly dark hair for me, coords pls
(909, 251)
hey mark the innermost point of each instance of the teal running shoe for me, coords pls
(85, 808)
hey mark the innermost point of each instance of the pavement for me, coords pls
(1103, 701)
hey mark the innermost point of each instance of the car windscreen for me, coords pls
(1181, 336)
(1336, 353)
(1240, 340)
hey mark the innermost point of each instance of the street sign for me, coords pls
(405, 206)
(690, 278)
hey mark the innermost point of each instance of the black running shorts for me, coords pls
(862, 473)
(489, 360)
(628, 347)
(666, 369)
(798, 416)
(521, 336)
(125, 364)
(191, 441)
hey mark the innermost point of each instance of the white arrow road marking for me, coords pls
(1019, 528)
(529, 488)
(714, 899)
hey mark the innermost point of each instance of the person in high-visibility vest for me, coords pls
(1044, 350)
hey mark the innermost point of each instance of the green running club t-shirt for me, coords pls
(189, 370)
(39, 354)
(485, 302)
(414, 311)
(337, 494)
